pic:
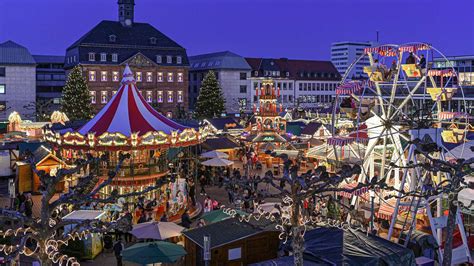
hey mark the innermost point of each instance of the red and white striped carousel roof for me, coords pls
(128, 112)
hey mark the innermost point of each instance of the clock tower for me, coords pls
(126, 10)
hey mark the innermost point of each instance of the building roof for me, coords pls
(311, 128)
(138, 35)
(128, 112)
(56, 59)
(222, 123)
(223, 232)
(295, 69)
(15, 54)
(220, 143)
(219, 60)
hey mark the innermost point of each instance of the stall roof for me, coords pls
(219, 143)
(222, 123)
(84, 215)
(223, 232)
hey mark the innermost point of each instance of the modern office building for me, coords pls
(159, 63)
(231, 71)
(464, 66)
(343, 54)
(306, 83)
(50, 80)
(17, 81)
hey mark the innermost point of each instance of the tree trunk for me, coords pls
(451, 224)
(298, 241)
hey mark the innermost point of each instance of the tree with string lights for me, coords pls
(76, 98)
(38, 237)
(210, 102)
(289, 218)
(456, 171)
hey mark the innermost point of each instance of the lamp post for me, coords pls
(372, 197)
(207, 250)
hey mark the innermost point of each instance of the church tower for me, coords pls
(126, 10)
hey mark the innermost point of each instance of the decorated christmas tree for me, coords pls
(210, 102)
(76, 99)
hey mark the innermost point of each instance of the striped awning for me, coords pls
(340, 141)
(441, 73)
(450, 115)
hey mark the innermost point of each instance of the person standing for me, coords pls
(28, 206)
(202, 182)
(192, 192)
(207, 204)
(118, 247)
(185, 219)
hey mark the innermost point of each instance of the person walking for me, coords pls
(28, 206)
(202, 183)
(118, 247)
(192, 192)
(186, 220)
(207, 204)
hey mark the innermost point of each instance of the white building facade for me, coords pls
(343, 54)
(17, 81)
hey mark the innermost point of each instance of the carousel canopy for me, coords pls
(128, 112)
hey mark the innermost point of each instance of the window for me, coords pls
(285, 98)
(300, 86)
(149, 96)
(243, 75)
(91, 56)
(169, 59)
(2, 71)
(160, 96)
(149, 77)
(152, 40)
(114, 57)
(2, 89)
(194, 76)
(290, 86)
(112, 38)
(290, 98)
(115, 76)
(159, 78)
(170, 77)
(56, 100)
(103, 97)
(180, 77)
(179, 60)
(93, 100)
(103, 75)
(243, 88)
(255, 73)
(170, 96)
(180, 96)
(139, 76)
(159, 60)
(91, 75)
(103, 57)
(284, 85)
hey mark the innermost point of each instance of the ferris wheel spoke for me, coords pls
(407, 99)
(386, 102)
(395, 84)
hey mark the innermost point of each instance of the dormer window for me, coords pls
(112, 38)
(103, 57)
(255, 73)
(287, 73)
(179, 60)
(152, 40)
(159, 60)
(91, 56)
(169, 59)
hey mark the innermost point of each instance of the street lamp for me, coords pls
(372, 197)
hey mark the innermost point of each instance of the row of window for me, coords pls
(315, 98)
(139, 76)
(281, 85)
(317, 86)
(147, 95)
(50, 77)
(104, 57)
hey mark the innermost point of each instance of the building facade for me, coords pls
(343, 54)
(17, 81)
(50, 80)
(464, 66)
(305, 83)
(159, 63)
(231, 71)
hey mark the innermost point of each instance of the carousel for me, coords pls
(128, 124)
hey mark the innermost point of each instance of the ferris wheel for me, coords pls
(403, 99)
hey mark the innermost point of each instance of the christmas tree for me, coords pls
(76, 99)
(210, 102)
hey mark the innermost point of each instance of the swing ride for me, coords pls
(396, 106)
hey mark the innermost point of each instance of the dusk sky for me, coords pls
(299, 29)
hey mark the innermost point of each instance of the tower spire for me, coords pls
(126, 12)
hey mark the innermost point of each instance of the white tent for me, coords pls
(350, 153)
(214, 154)
(467, 195)
(156, 230)
(217, 162)
(462, 151)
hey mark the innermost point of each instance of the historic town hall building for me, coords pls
(159, 63)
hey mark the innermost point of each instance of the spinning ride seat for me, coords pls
(454, 135)
(374, 73)
(411, 70)
(350, 112)
(441, 94)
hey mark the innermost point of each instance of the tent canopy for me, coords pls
(217, 162)
(156, 230)
(214, 154)
(128, 112)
